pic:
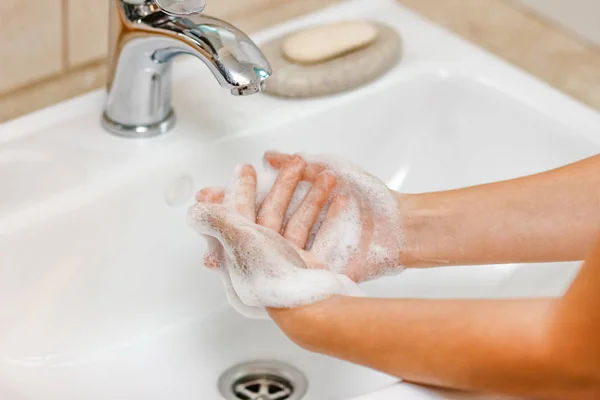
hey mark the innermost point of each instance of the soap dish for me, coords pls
(343, 73)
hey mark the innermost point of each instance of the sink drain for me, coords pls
(262, 380)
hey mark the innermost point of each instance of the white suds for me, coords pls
(260, 269)
(371, 203)
(264, 182)
(265, 179)
(342, 240)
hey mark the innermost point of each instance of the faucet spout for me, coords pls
(145, 39)
(235, 61)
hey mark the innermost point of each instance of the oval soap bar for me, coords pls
(324, 42)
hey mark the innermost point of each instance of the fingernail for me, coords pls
(200, 195)
(296, 160)
(248, 171)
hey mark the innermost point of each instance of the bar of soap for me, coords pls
(324, 42)
(346, 72)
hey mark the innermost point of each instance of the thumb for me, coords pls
(214, 257)
(215, 220)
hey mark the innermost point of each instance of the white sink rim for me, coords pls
(458, 58)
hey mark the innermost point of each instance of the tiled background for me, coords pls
(52, 50)
(581, 16)
(55, 49)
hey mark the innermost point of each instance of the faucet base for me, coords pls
(139, 131)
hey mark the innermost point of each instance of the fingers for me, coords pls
(241, 195)
(210, 195)
(242, 245)
(214, 257)
(323, 242)
(212, 260)
(208, 219)
(276, 203)
(216, 221)
(277, 160)
(300, 224)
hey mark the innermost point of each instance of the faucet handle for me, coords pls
(181, 7)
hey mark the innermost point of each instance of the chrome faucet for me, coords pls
(145, 35)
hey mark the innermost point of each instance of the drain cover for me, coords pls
(262, 380)
(263, 387)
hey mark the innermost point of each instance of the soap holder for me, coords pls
(342, 73)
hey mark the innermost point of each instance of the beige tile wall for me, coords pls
(55, 49)
(523, 38)
(87, 31)
(581, 16)
(52, 50)
(32, 41)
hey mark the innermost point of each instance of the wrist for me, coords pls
(423, 218)
(300, 324)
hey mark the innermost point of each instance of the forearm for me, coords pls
(551, 216)
(483, 345)
(541, 348)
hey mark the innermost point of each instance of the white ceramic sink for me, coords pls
(102, 293)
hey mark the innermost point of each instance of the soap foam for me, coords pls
(342, 240)
(265, 180)
(260, 268)
(370, 198)
(355, 182)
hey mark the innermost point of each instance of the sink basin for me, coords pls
(102, 293)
